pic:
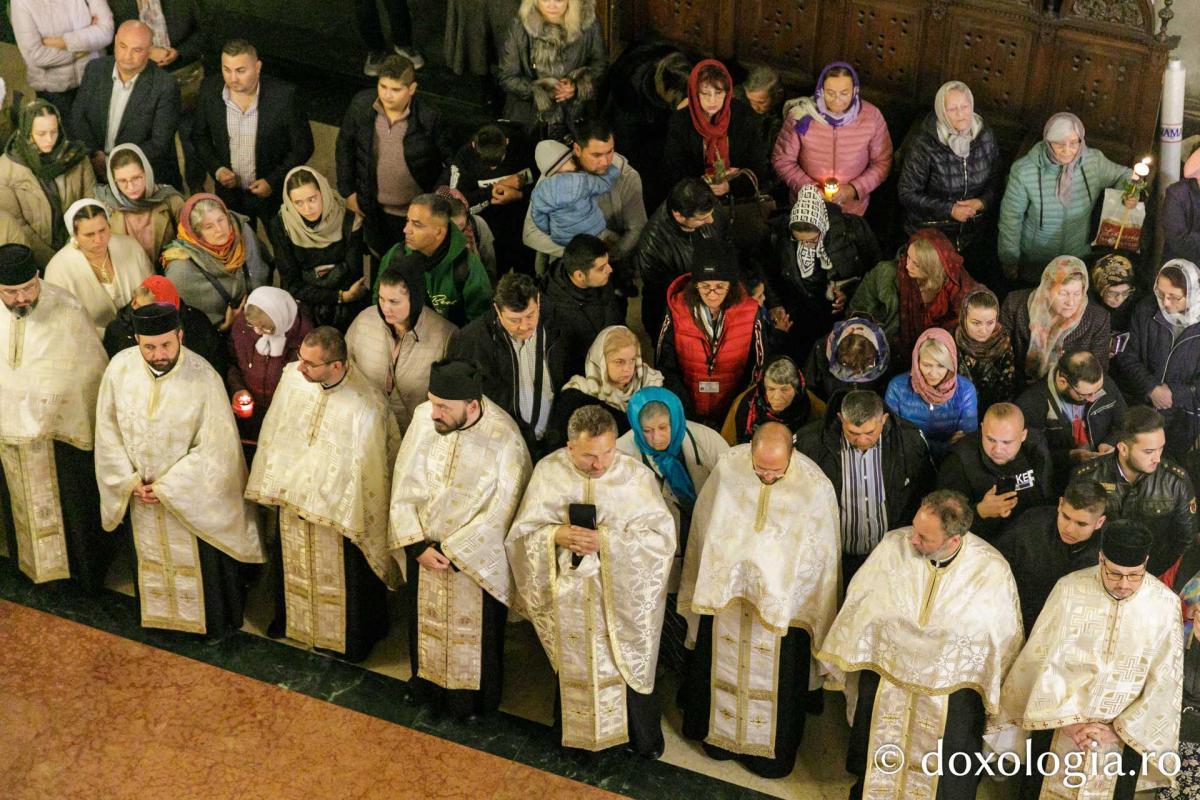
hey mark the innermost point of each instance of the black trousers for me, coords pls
(458, 703)
(399, 19)
(963, 734)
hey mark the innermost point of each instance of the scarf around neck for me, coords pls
(715, 130)
(997, 344)
(1058, 128)
(227, 257)
(759, 411)
(328, 228)
(915, 314)
(958, 141)
(1048, 331)
(112, 196)
(806, 110)
(281, 308)
(1191, 275)
(595, 382)
(46, 167)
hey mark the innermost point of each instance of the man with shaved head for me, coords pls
(125, 98)
(1003, 468)
(759, 591)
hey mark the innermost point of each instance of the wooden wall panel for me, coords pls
(993, 60)
(782, 33)
(884, 42)
(692, 23)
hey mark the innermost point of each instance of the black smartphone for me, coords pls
(581, 515)
(1006, 484)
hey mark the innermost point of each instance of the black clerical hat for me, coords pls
(155, 319)
(17, 266)
(1126, 543)
(455, 380)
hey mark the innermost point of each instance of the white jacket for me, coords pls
(85, 25)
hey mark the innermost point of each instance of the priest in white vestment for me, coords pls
(462, 469)
(167, 451)
(929, 627)
(324, 460)
(591, 551)
(766, 590)
(395, 341)
(1100, 679)
(50, 371)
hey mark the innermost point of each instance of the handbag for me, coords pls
(749, 216)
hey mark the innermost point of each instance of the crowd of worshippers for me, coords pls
(971, 508)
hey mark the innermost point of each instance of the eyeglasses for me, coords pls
(1116, 577)
(307, 365)
(1116, 294)
(709, 288)
(27, 290)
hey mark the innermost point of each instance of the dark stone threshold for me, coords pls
(349, 686)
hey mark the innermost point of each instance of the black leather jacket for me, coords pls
(1163, 501)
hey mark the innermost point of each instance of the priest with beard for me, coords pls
(766, 592)
(591, 550)
(50, 374)
(167, 452)
(458, 479)
(324, 460)
(930, 625)
(1100, 679)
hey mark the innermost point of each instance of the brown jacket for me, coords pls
(22, 197)
(165, 218)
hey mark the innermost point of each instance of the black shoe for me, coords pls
(653, 755)
(277, 629)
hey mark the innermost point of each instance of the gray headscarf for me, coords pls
(1058, 128)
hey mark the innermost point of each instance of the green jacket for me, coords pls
(1034, 226)
(457, 287)
(878, 296)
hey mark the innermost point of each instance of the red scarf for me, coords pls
(715, 132)
(942, 311)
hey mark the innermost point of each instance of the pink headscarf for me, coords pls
(945, 390)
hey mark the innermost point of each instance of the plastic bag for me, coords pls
(1120, 227)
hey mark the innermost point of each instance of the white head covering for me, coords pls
(595, 380)
(74, 209)
(958, 141)
(810, 208)
(1191, 275)
(281, 308)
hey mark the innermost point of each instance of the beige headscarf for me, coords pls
(328, 229)
(595, 380)
(956, 140)
(1047, 331)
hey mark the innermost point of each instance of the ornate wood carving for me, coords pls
(1099, 83)
(883, 41)
(993, 60)
(693, 23)
(1117, 12)
(778, 31)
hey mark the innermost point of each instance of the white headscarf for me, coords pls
(281, 308)
(1191, 275)
(810, 209)
(74, 209)
(595, 380)
(956, 140)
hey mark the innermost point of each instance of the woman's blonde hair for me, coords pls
(926, 257)
(572, 20)
(621, 338)
(939, 351)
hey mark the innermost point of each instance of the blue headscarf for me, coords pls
(669, 462)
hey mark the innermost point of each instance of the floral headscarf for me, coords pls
(1047, 331)
(229, 256)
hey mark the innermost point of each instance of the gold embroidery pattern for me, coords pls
(313, 582)
(170, 584)
(744, 684)
(36, 509)
(449, 628)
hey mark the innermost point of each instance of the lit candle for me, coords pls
(244, 406)
(830, 188)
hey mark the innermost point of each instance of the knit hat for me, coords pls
(1125, 543)
(714, 260)
(17, 266)
(549, 155)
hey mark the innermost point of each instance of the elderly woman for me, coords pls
(933, 396)
(215, 261)
(834, 139)
(41, 174)
(822, 254)
(1052, 319)
(953, 174)
(923, 288)
(780, 396)
(99, 267)
(550, 63)
(711, 345)
(985, 348)
(762, 90)
(265, 337)
(855, 355)
(1047, 207)
(613, 371)
(319, 250)
(201, 337)
(714, 133)
(1161, 363)
(137, 206)
(1181, 214)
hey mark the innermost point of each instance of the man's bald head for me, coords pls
(1002, 432)
(771, 451)
(131, 47)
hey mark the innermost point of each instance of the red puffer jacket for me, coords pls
(688, 359)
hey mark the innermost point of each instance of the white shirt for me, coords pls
(117, 102)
